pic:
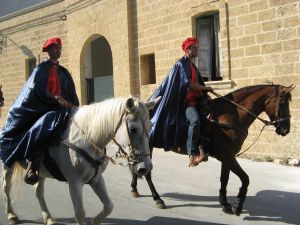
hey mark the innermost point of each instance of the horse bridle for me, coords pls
(133, 152)
(279, 119)
(266, 122)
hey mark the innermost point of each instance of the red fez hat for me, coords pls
(51, 41)
(189, 42)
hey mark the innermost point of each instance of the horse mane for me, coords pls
(98, 121)
(256, 87)
(252, 87)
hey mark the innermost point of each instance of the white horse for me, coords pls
(90, 129)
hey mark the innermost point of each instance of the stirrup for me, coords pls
(31, 177)
(191, 159)
(203, 153)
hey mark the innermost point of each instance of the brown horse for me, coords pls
(231, 117)
(1, 97)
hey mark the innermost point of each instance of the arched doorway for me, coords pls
(98, 69)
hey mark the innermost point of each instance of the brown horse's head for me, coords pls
(1, 97)
(277, 108)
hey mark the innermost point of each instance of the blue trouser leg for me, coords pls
(193, 117)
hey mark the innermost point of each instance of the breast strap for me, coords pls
(93, 162)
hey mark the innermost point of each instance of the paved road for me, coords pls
(191, 195)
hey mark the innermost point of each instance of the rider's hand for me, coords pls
(62, 102)
(209, 89)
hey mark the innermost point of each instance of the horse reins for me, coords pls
(265, 122)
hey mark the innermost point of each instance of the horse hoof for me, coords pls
(160, 205)
(89, 223)
(237, 211)
(227, 209)
(50, 222)
(13, 220)
(135, 194)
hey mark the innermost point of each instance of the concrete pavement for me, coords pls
(191, 195)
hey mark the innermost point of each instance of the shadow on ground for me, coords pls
(152, 221)
(267, 205)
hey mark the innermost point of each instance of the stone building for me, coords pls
(127, 47)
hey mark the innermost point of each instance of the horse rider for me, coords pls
(181, 92)
(39, 113)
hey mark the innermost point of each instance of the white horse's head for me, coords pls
(126, 121)
(132, 132)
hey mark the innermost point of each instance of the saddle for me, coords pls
(52, 167)
(49, 163)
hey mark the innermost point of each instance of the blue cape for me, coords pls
(34, 118)
(168, 121)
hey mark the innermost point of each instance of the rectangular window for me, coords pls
(148, 75)
(30, 64)
(207, 28)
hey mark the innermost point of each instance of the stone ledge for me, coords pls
(222, 84)
(284, 160)
(290, 162)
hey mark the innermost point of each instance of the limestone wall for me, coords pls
(259, 42)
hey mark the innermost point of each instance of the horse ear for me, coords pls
(288, 89)
(0, 86)
(130, 105)
(152, 103)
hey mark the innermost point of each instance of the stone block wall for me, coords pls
(259, 42)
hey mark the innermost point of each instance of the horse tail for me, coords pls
(16, 180)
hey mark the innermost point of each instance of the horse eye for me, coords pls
(133, 130)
